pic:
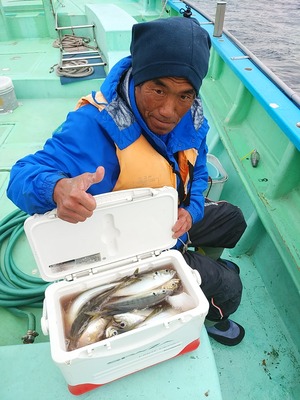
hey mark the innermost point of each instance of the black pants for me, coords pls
(222, 226)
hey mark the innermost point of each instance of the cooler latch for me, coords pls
(80, 274)
(147, 255)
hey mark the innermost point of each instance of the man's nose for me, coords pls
(168, 107)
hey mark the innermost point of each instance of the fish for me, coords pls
(125, 322)
(111, 331)
(93, 333)
(143, 299)
(143, 291)
(147, 281)
(82, 300)
(166, 312)
(143, 282)
(93, 308)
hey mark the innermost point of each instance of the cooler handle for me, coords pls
(44, 320)
(196, 276)
(123, 196)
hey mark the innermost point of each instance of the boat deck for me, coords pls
(181, 377)
(266, 365)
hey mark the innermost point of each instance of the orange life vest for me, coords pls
(142, 166)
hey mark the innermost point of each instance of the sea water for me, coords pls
(269, 29)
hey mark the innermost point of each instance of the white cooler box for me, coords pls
(129, 230)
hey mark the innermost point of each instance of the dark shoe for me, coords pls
(227, 332)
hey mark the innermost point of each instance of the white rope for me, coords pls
(70, 43)
(73, 42)
(74, 70)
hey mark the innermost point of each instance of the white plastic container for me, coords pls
(8, 101)
(217, 178)
(129, 230)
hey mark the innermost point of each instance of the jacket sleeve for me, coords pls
(199, 185)
(200, 179)
(74, 148)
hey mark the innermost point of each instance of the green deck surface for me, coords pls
(179, 378)
(35, 59)
(266, 365)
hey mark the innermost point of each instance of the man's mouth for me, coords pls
(163, 124)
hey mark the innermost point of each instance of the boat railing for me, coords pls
(251, 111)
(219, 29)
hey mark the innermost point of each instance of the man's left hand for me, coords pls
(183, 223)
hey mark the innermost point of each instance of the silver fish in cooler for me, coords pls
(142, 300)
(93, 333)
(82, 300)
(134, 292)
(125, 322)
(147, 281)
(93, 308)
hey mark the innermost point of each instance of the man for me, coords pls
(145, 129)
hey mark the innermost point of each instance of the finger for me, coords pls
(100, 172)
(87, 200)
(77, 214)
(180, 223)
(179, 233)
(95, 177)
(178, 229)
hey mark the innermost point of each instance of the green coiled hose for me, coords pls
(18, 289)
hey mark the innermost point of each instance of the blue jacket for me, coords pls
(87, 140)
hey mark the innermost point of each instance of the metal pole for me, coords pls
(219, 19)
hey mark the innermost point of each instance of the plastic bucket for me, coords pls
(8, 101)
(217, 178)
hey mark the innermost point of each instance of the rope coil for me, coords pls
(71, 42)
(77, 68)
(74, 69)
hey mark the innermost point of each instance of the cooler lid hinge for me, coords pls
(149, 254)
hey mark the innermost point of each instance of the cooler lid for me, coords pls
(124, 225)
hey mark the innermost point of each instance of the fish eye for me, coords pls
(122, 324)
(111, 332)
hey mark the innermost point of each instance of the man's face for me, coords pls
(162, 102)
